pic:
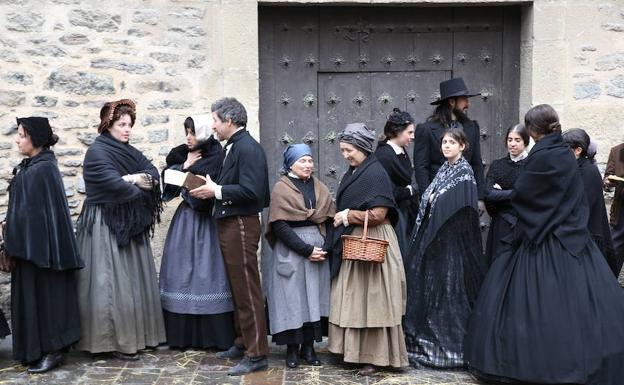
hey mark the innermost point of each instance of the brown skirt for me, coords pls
(367, 304)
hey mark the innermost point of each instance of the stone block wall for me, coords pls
(574, 60)
(63, 59)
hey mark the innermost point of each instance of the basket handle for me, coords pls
(365, 226)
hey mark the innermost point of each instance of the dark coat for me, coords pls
(38, 225)
(598, 224)
(400, 171)
(428, 156)
(615, 166)
(244, 178)
(503, 172)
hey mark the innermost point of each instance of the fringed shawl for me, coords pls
(287, 204)
(127, 210)
(453, 188)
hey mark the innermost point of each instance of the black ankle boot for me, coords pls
(309, 355)
(48, 362)
(292, 356)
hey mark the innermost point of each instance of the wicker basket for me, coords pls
(356, 248)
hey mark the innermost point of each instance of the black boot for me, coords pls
(292, 355)
(309, 355)
(249, 365)
(126, 356)
(48, 362)
(232, 353)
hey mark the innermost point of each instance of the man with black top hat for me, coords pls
(450, 112)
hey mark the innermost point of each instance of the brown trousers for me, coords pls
(239, 237)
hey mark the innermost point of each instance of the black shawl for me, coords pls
(212, 155)
(598, 222)
(549, 197)
(453, 188)
(361, 188)
(127, 210)
(38, 223)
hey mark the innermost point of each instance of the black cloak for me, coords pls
(127, 210)
(598, 223)
(546, 199)
(38, 224)
(361, 188)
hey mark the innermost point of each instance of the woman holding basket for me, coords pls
(367, 298)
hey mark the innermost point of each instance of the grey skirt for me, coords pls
(192, 272)
(297, 289)
(118, 292)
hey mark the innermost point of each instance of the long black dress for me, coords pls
(598, 221)
(444, 268)
(40, 239)
(503, 172)
(550, 310)
(399, 169)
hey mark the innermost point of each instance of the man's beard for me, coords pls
(460, 115)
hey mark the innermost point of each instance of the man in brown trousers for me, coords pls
(241, 192)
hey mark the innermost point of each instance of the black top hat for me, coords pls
(452, 88)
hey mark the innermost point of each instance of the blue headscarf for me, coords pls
(294, 152)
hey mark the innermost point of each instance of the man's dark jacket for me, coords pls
(428, 155)
(244, 178)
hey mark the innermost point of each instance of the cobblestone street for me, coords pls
(164, 367)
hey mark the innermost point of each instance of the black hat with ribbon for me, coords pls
(453, 88)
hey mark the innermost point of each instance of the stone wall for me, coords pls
(63, 59)
(573, 56)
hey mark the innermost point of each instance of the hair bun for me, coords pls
(397, 110)
(554, 126)
(53, 140)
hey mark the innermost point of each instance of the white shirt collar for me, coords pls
(397, 149)
(520, 156)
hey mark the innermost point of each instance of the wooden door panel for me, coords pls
(433, 51)
(323, 67)
(477, 59)
(387, 51)
(293, 99)
(346, 99)
(340, 34)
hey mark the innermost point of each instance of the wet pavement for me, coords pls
(163, 366)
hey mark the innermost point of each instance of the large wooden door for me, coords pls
(324, 67)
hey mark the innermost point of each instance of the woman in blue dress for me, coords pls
(194, 289)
